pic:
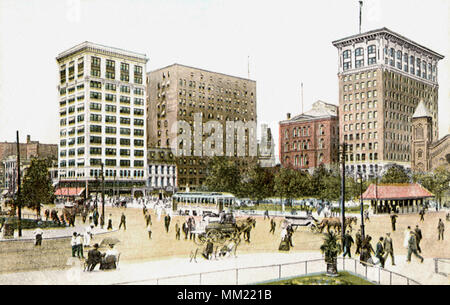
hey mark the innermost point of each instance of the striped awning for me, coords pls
(69, 191)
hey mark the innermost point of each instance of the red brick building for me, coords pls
(311, 138)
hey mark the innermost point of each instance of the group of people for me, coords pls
(79, 241)
(107, 260)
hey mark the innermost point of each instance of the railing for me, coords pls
(442, 266)
(248, 275)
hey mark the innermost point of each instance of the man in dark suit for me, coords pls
(94, 258)
(393, 220)
(418, 233)
(167, 222)
(123, 222)
(272, 226)
(380, 251)
(348, 241)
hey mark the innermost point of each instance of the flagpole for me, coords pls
(360, 15)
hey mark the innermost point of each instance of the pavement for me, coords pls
(54, 233)
(147, 272)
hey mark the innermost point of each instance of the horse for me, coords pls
(335, 223)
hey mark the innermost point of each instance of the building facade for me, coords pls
(197, 97)
(101, 100)
(426, 154)
(311, 138)
(28, 150)
(162, 169)
(382, 77)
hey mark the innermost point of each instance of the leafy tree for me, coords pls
(260, 182)
(223, 175)
(436, 182)
(284, 183)
(395, 174)
(37, 185)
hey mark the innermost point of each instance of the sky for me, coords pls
(288, 42)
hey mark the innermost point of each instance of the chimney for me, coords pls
(28, 138)
(288, 115)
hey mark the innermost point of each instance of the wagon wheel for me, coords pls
(215, 236)
(200, 239)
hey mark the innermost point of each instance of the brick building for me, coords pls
(427, 155)
(382, 77)
(178, 93)
(311, 138)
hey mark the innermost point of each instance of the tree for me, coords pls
(223, 175)
(284, 183)
(37, 185)
(260, 183)
(436, 182)
(395, 174)
(331, 249)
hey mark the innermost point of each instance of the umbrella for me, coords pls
(109, 241)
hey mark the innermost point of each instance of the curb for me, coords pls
(51, 238)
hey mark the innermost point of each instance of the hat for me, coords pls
(95, 245)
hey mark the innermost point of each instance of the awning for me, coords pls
(69, 191)
(396, 192)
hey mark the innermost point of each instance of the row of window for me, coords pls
(362, 75)
(362, 126)
(360, 95)
(110, 72)
(370, 104)
(360, 116)
(361, 85)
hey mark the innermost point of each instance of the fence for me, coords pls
(442, 266)
(248, 275)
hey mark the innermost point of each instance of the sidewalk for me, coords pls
(143, 273)
(55, 233)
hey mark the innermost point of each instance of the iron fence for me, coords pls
(266, 273)
(442, 266)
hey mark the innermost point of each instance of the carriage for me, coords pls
(302, 221)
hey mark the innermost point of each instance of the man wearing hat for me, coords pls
(388, 248)
(393, 220)
(94, 258)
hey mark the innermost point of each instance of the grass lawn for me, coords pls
(344, 278)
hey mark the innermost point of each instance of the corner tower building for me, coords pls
(101, 102)
(382, 77)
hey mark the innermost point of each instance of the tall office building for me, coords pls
(382, 77)
(177, 93)
(101, 97)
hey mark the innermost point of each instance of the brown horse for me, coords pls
(335, 223)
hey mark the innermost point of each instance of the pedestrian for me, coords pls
(177, 231)
(88, 236)
(412, 247)
(123, 220)
(366, 216)
(422, 214)
(110, 226)
(441, 229)
(393, 220)
(388, 248)
(79, 243)
(73, 243)
(284, 244)
(358, 241)
(418, 233)
(348, 241)
(406, 237)
(47, 214)
(167, 222)
(191, 228)
(366, 250)
(380, 251)
(148, 218)
(38, 236)
(95, 217)
(149, 230)
(185, 229)
(290, 232)
(94, 258)
(266, 214)
(272, 226)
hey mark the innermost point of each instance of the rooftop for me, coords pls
(200, 69)
(320, 109)
(386, 31)
(91, 45)
(396, 191)
(421, 111)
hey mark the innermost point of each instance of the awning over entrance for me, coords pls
(396, 192)
(69, 191)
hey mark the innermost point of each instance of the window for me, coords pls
(95, 150)
(138, 122)
(359, 63)
(371, 49)
(95, 140)
(110, 141)
(138, 132)
(138, 153)
(95, 117)
(125, 131)
(125, 121)
(95, 106)
(359, 51)
(96, 95)
(110, 108)
(346, 54)
(110, 119)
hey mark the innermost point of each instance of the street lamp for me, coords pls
(361, 204)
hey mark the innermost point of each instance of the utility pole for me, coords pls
(360, 15)
(344, 152)
(302, 97)
(362, 205)
(18, 198)
(102, 220)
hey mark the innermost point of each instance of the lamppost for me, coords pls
(102, 219)
(343, 154)
(361, 204)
